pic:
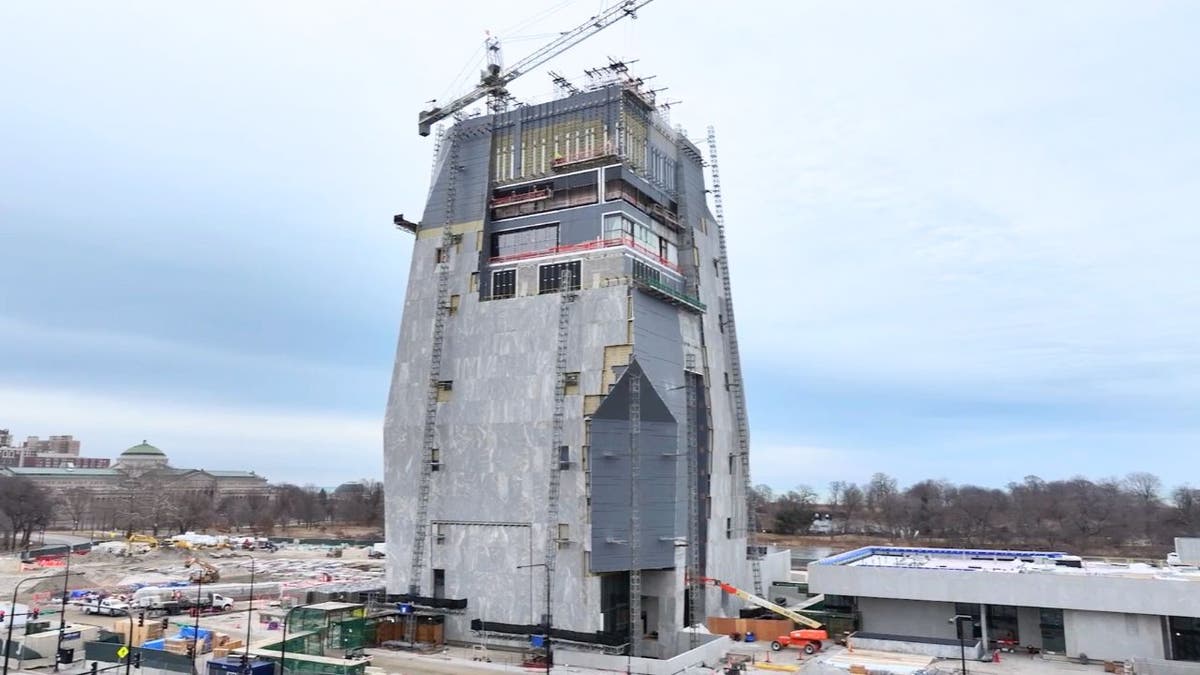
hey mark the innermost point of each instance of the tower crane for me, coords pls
(493, 81)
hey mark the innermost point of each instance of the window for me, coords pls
(1185, 638)
(474, 283)
(727, 381)
(504, 284)
(617, 226)
(570, 383)
(456, 241)
(729, 528)
(564, 532)
(439, 255)
(439, 583)
(654, 239)
(435, 459)
(731, 459)
(564, 457)
(454, 302)
(479, 240)
(444, 388)
(526, 240)
(1053, 636)
(558, 276)
(439, 533)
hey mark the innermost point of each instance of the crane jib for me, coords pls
(493, 81)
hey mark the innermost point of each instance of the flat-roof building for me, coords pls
(1049, 601)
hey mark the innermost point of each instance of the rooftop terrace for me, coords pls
(1003, 561)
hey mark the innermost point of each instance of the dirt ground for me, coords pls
(100, 570)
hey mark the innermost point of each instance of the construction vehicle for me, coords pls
(209, 603)
(136, 542)
(207, 574)
(764, 603)
(807, 639)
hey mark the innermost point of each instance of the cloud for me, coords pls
(955, 229)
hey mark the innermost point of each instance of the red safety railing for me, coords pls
(595, 244)
(522, 197)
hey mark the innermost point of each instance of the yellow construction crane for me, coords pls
(493, 81)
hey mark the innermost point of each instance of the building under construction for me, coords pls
(566, 435)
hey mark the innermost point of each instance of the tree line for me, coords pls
(1085, 516)
(153, 507)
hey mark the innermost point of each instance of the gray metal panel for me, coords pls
(656, 481)
(657, 341)
(471, 184)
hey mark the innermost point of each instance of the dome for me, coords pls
(143, 449)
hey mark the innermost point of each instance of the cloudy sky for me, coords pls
(963, 234)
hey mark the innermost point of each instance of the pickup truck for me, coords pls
(109, 606)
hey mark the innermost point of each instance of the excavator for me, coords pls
(807, 639)
(131, 544)
(207, 574)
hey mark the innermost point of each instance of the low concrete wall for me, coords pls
(708, 654)
(1143, 666)
(974, 652)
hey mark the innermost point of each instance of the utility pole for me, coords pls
(62, 611)
(549, 649)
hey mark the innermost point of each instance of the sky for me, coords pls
(962, 235)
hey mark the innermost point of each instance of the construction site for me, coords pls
(566, 443)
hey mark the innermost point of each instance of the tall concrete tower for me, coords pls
(566, 433)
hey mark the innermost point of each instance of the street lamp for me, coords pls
(196, 609)
(963, 625)
(249, 616)
(283, 645)
(62, 613)
(12, 612)
(549, 649)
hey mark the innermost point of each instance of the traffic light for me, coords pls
(141, 619)
(137, 659)
(166, 623)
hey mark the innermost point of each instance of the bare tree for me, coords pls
(853, 500)
(78, 501)
(836, 489)
(25, 506)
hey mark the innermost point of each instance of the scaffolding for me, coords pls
(441, 312)
(735, 369)
(566, 299)
(635, 517)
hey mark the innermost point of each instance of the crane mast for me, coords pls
(494, 80)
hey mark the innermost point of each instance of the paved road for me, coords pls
(54, 538)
